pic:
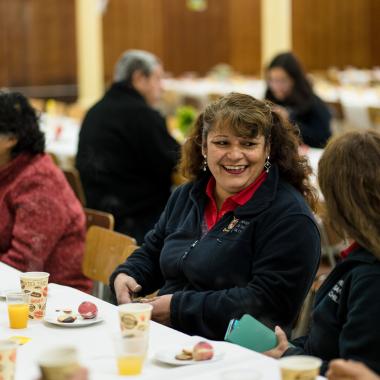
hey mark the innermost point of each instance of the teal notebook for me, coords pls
(250, 333)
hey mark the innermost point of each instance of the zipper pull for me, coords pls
(191, 247)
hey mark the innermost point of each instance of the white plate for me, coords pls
(79, 322)
(167, 355)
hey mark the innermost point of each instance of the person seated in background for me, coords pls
(239, 237)
(42, 224)
(346, 312)
(349, 370)
(126, 155)
(289, 88)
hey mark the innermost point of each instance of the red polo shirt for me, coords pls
(212, 215)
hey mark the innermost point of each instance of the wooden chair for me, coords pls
(105, 250)
(338, 123)
(99, 218)
(374, 116)
(73, 178)
(303, 322)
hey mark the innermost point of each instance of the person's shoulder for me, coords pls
(182, 191)
(318, 104)
(369, 269)
(42, 171)
(291, 200)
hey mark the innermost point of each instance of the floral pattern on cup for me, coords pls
(7, 359)
(37, 288)
(134, 319)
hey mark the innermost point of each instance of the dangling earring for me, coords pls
(204, 164)
(267, 165)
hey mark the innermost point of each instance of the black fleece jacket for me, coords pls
(263, 264)
(345, 319)
(125, 155)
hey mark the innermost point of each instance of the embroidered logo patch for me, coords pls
(335, 292)
(236, 225)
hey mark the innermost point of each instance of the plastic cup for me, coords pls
(300, 367)
(36, 285)
(130, 354)
(59, 363)
(134, 319)
(7, 359)
(18, 309)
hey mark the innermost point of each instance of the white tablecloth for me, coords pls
(95, 346)
(61, 134)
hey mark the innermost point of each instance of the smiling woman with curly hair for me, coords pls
(239, 237)
(42, 224)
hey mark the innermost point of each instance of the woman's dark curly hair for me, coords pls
(246, 116)
(19, 119)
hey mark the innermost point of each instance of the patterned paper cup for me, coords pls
(59, 363)
(134, 318)
(36, 285)
(7, 359)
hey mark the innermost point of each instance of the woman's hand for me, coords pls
(282, 345)
(161, 309)
(125, 287)
(349, 370)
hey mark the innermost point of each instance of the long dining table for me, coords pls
(94, 344)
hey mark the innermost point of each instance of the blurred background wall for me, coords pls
(38, 37)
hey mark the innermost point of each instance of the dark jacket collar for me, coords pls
(362, 255)
(120, 89)
(261, 200)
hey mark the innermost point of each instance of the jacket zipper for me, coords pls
(188, 251)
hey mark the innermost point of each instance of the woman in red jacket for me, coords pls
(42, 224)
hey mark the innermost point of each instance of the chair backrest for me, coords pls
(336, 109)
(374, 116)
(99, 218)
(73, 178)
(105, 250)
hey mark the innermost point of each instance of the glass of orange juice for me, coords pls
(130, 354)
(18, 309)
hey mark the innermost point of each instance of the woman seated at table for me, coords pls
(288, 87)
(347, 309)
(42, 224)
(239, 237)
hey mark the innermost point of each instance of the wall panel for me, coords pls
(227, 32)
(131, 24)
(37, 42)
(335, 32)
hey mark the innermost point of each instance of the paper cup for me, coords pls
(300, 367)
(134, 318)
(7, 359)
(59, 363)
(36, 285)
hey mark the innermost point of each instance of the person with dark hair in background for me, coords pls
(347, 308)
(289, 88)
(239, 237)
(126, 155)
(42, 224)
